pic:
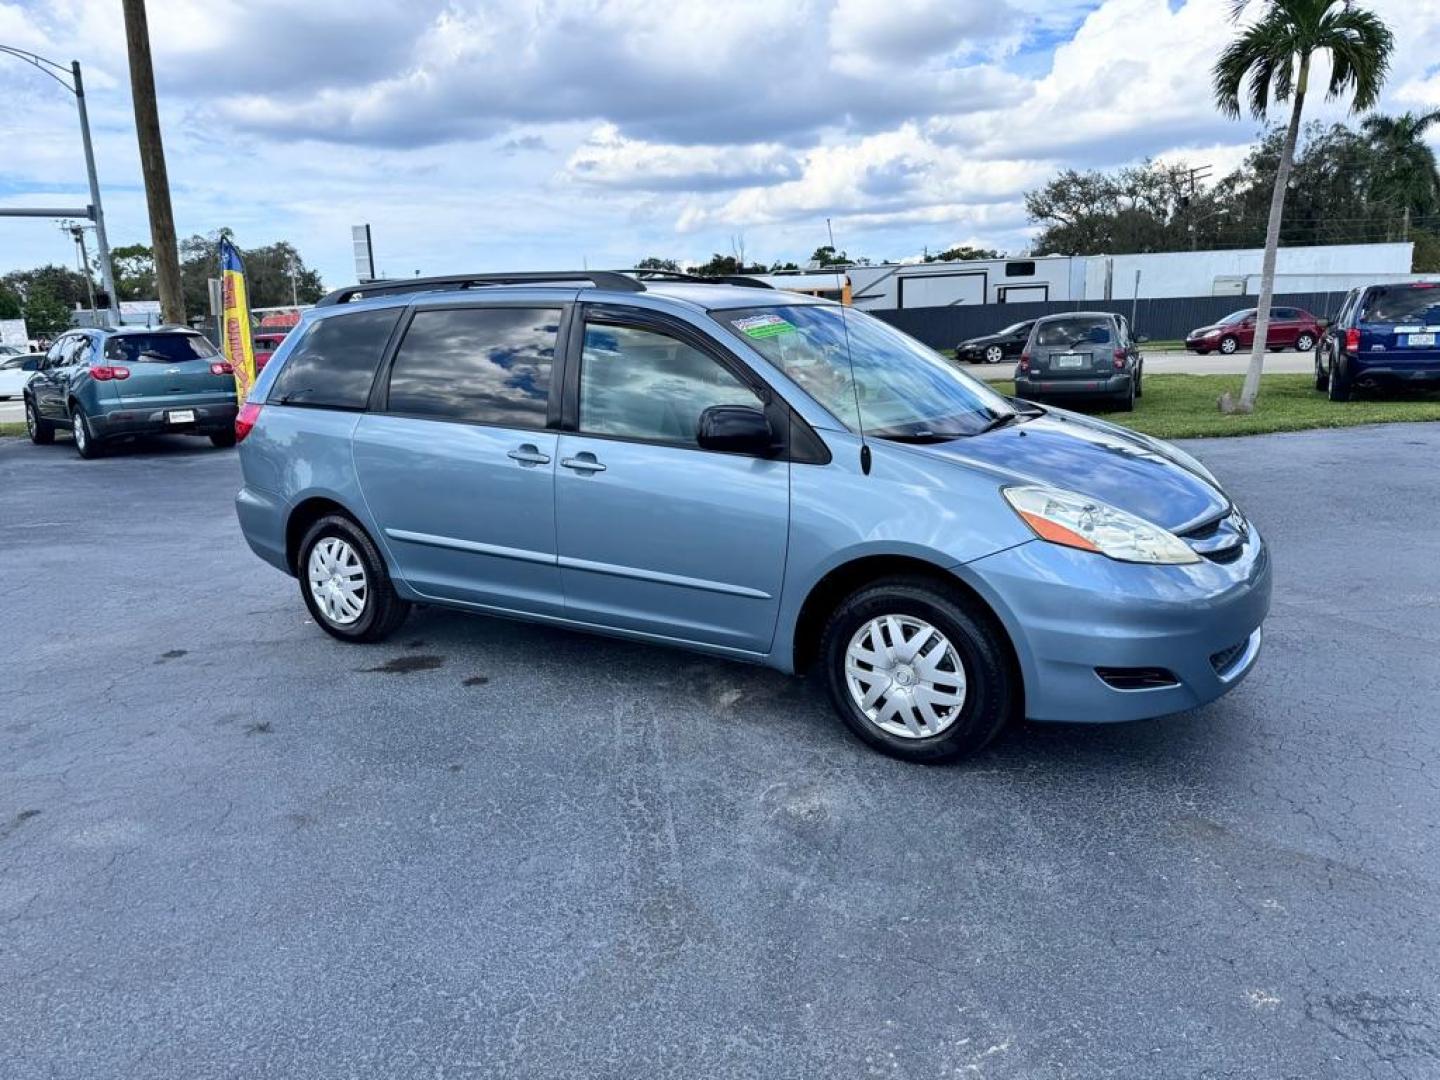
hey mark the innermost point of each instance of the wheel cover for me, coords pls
(1229, 345)
(29, 418)
(82, 437)
(905, 676)
(1305, 343)
(994, 354)
(337, 580)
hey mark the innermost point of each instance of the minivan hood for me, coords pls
(1090, 457)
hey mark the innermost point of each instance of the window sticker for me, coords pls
(763, 326)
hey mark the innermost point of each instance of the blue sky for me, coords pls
(552, 133)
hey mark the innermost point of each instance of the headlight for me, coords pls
(1212, 333)
(1071, 520)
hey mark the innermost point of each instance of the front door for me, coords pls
(458, 466)
(52, 383)
(655, 534)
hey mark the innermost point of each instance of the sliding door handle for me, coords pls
(528, 454)
(583, 462)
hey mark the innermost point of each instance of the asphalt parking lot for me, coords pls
(232, 847)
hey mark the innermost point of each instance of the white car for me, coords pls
(13, 375)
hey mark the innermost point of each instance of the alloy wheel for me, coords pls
(78, 429)
(994, 354)
(337, 580)
(1304, 343)
(905, 676)
(29, 418)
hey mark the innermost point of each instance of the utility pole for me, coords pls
(77, 232)
(152, 164)
(1195, 176)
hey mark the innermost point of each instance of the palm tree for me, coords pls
(1406, 175)
(1274, 55)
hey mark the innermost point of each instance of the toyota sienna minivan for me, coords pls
(750, 473)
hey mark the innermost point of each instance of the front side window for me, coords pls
(158, 348)
(481, 365)
(335, 364)
(639, 383)
(866, 373)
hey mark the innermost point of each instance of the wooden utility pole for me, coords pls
(152, 164)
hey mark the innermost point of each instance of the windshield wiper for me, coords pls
(920, 437)
(998, 421)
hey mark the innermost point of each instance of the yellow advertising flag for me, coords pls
(235, 320)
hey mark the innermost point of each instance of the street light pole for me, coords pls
(94, 211)
(102, 243)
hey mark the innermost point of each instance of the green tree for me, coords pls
(1271, 60)
(134, 266)
(10, 307)
(828, 256)
(1143, 208)
(725, 265)
(652, 262)
(64, 284)
(268, 272)
(962, 253)
(45, 313)
(1406, 176)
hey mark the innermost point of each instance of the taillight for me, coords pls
(1352, 341)
(245, 420)
(1024, 361)
(1119, 359)
(221, 368)
(104, 373)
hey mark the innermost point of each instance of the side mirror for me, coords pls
(735, 429)
(33, 364)
(1141, 339)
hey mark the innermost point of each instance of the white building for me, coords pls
(1333, 268)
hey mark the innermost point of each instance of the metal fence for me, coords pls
(1160, 319)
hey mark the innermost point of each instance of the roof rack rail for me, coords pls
(648, 274)
(604, 279)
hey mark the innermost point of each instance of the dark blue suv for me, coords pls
(1384, 337)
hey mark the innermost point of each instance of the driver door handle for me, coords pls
(528, 454)
(583, 462)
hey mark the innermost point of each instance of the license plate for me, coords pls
(181, 416)
(1421, 341)
(1069, 360)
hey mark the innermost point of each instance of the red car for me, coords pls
(265, 345)
(1289, 328)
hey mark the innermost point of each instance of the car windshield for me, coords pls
(1237, 316)
(1403, 304)
(869, 375)
(158, 348)
(1083, 330)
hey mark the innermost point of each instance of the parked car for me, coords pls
(997, 347)
(265, 345)
(121, 381)
(1083, 354)
(749, 473)
(1290, 327)
(1384, 336)
(13, 374)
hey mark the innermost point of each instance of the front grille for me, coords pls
(1221, 539)
(1136, 678)
(1224, 660)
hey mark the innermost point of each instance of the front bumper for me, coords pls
(1118, 383)
(209, 419)
(1202, 344)
(1072, 614)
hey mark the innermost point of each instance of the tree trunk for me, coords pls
(1272, 244)
(152, 164)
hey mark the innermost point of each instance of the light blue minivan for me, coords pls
(751, 473)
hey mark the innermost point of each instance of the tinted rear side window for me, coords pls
(158, 348)
(334, 365)
(483, 365)
(1071, 332)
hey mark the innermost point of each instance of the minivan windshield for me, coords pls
(899, 388)
(1402, 303)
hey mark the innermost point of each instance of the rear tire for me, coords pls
(222, 440)
(961, 656)
(42, 431)
(86, 444)
(1126, 401)
(1322, 380)
(347, 573)
(1339, 388)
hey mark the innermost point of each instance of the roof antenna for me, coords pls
(855, 386)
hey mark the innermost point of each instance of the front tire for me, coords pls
(994, 354)
(1228, 345)
(345, 584)
(917, 671)
(1304, 343)
(86, 445)
(42, 432)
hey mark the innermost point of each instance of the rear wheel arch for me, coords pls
(305, 514)
(850, 577)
